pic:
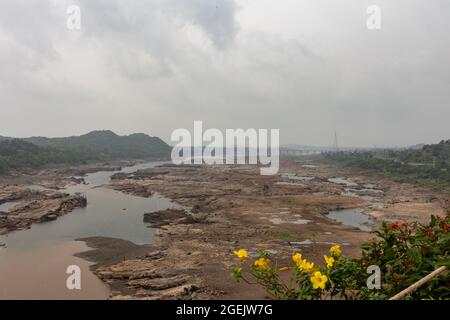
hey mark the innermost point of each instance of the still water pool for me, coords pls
(34, 261)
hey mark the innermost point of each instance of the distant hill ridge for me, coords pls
(93, 146)
(429, 164)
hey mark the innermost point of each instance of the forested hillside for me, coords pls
(18, 154)
(429, 165)
(95, 146)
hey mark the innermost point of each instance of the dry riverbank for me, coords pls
(228, 207)
(235, 207)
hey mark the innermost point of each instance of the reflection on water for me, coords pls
(41, 274)
(351, 217)
(108, 213)
(8, 205)
(350, 193)
(282, 221)
(293, 176)
(343, 181)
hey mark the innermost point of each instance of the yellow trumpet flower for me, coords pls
(305, 266)
(335, 251)
(242, 254)
(329, 260)
(297, 258)
(319, 280)
(262, 264)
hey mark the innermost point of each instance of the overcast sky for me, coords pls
(306, 67)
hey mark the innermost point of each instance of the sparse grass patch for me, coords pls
(284, 235)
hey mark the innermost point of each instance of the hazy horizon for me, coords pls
(309, 68)
(205, 143)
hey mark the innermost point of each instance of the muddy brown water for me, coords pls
(34, 262)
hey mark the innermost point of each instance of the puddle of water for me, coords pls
(346, 182)
(37, 188)
(293, 176)
(8, 205)
(289, 183)
(371, 190)
(351, 217)
(281, 221)
(356, 195)
(308, 242)
(362, 193)
(367, 198)
(302, 243)
(321, 193)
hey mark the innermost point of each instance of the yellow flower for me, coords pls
(329, 261)
(262, 264)
(242, 254)
(297, 258)
(335, 251)
(305, 266)
(319, 280)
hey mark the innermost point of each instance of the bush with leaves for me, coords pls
(404, 252)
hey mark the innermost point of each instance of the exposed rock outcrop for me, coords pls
(34, 207)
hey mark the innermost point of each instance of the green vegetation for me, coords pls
(18, 154)
(403, 252)
(429, 165)
(284, 235)
(95, 146)
(109, 145)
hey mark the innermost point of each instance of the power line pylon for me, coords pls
(335, 142)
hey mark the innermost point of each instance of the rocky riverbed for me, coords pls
(34, 207)
(223, 208)
(235, 207)
(35, 197)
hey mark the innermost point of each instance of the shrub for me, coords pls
(404, 252)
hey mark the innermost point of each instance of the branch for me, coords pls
(419, 283)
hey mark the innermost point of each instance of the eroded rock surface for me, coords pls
(34, 206)
(235, 207)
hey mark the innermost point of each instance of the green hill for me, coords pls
(94, 146)
(428, 165)
(18, 154)
(430, 153)
(109, 145)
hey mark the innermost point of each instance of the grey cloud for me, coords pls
(157, 65)
(26, 34)
(215, 17)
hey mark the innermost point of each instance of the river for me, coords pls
(34, 262)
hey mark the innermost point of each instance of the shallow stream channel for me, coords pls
(34, 262)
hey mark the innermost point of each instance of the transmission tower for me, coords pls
(335, 142)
